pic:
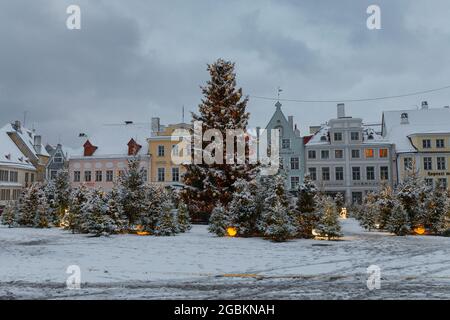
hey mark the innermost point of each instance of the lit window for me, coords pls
(383, 153)
(369, 153)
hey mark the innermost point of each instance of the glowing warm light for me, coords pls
(231, 231)
(419, 230)
(343, 213)
(140, 231)
(377, 225)
(314, 232)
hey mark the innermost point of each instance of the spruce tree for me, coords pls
(277, 222)
(412, 193)
(218, 222)
(62, 191)
(222, 108)
(29, 205)
(155, 197)
(306, 216)
(95, 218)
(42, 217)
(385, 203)
(166, 225)
(132, 189)
(183, 217)
(74, 217)
(328, 226)
(9, 215)
(399, 222)
(436, 207)
(115, 212)
(241, 209)
(369, 218)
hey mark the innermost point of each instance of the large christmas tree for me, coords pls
(222, 108)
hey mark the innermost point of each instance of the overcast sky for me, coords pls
(133, 60)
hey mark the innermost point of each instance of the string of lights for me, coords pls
(353, 100)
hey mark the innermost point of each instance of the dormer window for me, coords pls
(323, 138)
(404, 118)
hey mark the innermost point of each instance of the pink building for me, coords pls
(104, 156)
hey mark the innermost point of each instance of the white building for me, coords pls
(16, 170)
(346, 156)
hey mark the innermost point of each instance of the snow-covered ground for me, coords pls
(197, 265)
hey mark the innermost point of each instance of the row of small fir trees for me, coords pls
(132, 206)
(412, 207)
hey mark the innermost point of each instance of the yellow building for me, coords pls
(162, 169)
(422, 142)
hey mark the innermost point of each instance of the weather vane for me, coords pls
(279, 90)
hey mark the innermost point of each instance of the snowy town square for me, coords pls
(206, 151)
(197, 265)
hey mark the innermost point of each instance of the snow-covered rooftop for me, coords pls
(370, 136)
(10, 154)
(112, 140)
(27, 136)
(433, 120)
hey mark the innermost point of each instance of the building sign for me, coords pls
(435, 174)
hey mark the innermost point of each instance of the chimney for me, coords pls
(404, 118)
(156, 125)
(38, 144)
(424, 105)
(291, 121)
(16, 125)
(341, 110)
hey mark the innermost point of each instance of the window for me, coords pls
(32, 177)
(325, 154)
(408, 163)
(339, 171)
(338, 154)
(369, 153)
(27, 175)
(281, 163)
(13, 176)
(355, 154)
(442, 183)
(295, 163)
(354, 136)
(98, 176)
(313, 173)
(161, 174)
(441, 163)
(76, 176)
(383, 153)
(338, 136)
(145, 174)
(427, 163)
(429, 182)
(53, 174)
(175, 174)
(4, 175)
(356, 173)
(109, 176)
(295, 181)
(5, 194)
(160, 151)
(370, 173)
(16, 194)
(426, 143)
(326, 174)
(384, 173)
(440, 143)
(356, 197)
(311, 154)
(286, 143)
(175, 150)
(58, 158)
(87, 176)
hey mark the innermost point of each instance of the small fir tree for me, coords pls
(183, 217)
(398, 222)
(9, 215)
(218, 221)
(329, 226)
(307, 219)
(241, 210)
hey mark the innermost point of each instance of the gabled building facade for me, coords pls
(59, 160)
(422, 142)
(291, 147)
(345, 156)
(103, 158)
